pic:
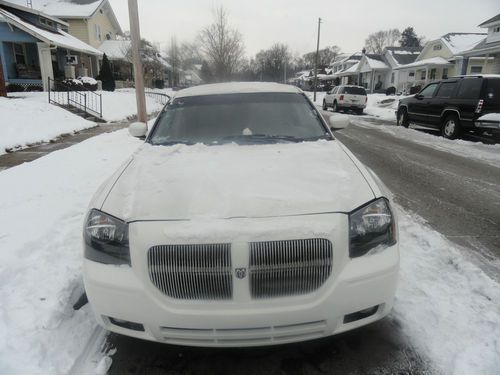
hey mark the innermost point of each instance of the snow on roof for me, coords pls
(115, 49)
(404, 55)
(60, 39)
(64, 8)
(376, 64)
(431, 61)
(237, 88)
(353, 69)
(492, 20)
(459, 42)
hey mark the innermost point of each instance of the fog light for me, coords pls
(126, 324)
(361, 314)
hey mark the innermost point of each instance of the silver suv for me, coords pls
(346, 97)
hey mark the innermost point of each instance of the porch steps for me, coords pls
(80, 112)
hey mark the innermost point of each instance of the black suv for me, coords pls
(455, 105)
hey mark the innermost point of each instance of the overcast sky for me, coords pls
(346, 23)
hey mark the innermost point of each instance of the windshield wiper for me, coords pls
(171, 143)
(263, 137)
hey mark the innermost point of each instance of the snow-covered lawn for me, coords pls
(447, 306)
(29, 120)
(474, 150)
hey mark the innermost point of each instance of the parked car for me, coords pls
(223, 229)
(455, 105)
(346, 97)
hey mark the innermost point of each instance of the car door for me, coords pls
(417, 109)
(330, 95)
(442, 99)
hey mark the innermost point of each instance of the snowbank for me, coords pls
(382, 106)
(42, 209)
(31, 120)
(473, 150)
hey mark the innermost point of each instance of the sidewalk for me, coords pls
(29, 154)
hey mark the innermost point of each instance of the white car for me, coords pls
(241, 221)
(346, 97)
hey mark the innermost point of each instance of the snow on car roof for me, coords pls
(237, 88)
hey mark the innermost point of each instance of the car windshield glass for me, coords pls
(429, 90)
(249, 118)
(354, 90)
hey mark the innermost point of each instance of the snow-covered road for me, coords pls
(446, 306)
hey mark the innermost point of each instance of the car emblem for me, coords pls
(240, 273)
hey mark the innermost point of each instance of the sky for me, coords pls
(345, 23)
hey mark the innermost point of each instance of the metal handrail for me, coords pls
(80, 98)
(158, 96)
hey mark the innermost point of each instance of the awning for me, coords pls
(431, 62)
(348, 72)
(59, 38)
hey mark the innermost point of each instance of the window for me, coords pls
(392, 78)
(476, 69)
(446, 90)
(496, 29)
(469, 88)
(19, 53)
(97, 32)
(433, 74)
(428, 91)
(423, 75)
(109, 36)
(412, 74)
(445, 73)
(354, 90)
(437, 47)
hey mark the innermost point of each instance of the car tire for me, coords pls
(451, 128)
(325, 107)
(402, 119)
(335, 107)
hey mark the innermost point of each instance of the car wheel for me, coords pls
(403, 118)
(451, 128)
(335, 107)
(325, 107)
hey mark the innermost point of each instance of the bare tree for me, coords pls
(175, 60)
(326, 55)
(376, 42)
(271, 63)
(222, 45)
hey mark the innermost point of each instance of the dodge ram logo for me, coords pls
(240, 273)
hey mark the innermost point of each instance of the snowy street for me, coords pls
(448, 210)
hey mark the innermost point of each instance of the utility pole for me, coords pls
(284, 73)
(135, 35)
(3, 90)
(316, 64)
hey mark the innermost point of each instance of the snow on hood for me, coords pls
(192, 182)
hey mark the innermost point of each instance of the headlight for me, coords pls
(371, 226)
(106, 239)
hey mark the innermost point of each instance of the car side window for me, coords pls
(446, 89)
(469, 88)
(335, 90)
(340, 91)
(428, 92)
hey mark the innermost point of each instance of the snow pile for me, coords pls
(382, 106)
(448, 306)
(29, 120)
(43, 204)
(473, 150)
(87, 80)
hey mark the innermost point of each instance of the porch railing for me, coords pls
(76, 97)
(158, 97)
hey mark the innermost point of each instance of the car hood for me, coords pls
(190, 182)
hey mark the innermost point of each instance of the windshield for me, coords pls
(354, 90)
(252, 117)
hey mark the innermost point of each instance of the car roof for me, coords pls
(237, 88)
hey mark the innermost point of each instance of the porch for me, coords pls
(420, 73)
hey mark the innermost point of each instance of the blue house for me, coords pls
(35, 47)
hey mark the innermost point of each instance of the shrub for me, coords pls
(106, 75)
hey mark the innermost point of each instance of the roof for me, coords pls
(64, 8)
(21, 5)
(433, 61)
(459, 42)
(237, 88)
(404, 55)
(60, 38)
(352, 70)
(483, 47)
(375, 63)
(116, 49)
(491, 20)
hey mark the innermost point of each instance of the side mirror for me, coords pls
(419, 96)
(338, 121)
(138, 129)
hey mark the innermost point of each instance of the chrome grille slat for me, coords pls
(192, 272)
(290, 267)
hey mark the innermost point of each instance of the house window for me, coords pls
(437, 47)
(423, 76)
(433, 74)
(97, 32)
(20, 54)
(392, 78)
(109, 36)
(476, 69)
(445, 73)
(412, 74)
(496, 29)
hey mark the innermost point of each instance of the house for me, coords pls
(396, 57)
(117, 52)
(488, 49)
(441, 58)
(35, 46)
(373, 71)
(344, 68)
(91, 21)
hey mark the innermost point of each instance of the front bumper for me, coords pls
(122, 293)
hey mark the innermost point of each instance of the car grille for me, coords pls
(200, 272)
(288, 268)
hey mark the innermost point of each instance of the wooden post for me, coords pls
(135, 35)
(3, 90)
(316, 62)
